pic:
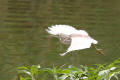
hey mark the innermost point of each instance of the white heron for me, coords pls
(78, 39)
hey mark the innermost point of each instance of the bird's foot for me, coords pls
(100, 51)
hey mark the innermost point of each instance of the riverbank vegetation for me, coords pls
(95, 72)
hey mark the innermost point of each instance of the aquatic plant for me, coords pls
(96, 72)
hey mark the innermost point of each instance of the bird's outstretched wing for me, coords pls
(61, 29)
(79, 43)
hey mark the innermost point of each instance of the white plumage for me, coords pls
(61, 29)
(78, 39)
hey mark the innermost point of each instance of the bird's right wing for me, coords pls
(61, 29)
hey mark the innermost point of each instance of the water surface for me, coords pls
(24, 41)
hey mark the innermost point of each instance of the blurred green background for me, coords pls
(24, 41)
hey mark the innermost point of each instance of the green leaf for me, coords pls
(66, 71)
(55, 70)
(114, 63)
(23, 67)
(26, 78)
(49, 70)
(34, 70)
(63, 77)
(25, 72)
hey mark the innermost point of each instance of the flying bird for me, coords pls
(77, 39)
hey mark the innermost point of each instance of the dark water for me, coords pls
(24, 41)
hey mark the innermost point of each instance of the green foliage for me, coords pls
(96, 72)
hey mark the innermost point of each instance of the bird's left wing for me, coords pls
(78, 43)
